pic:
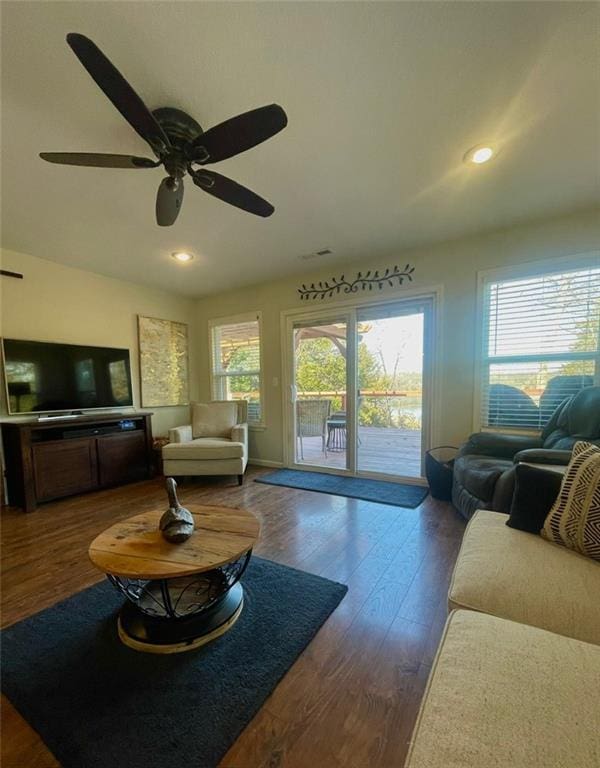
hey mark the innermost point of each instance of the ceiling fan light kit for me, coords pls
(177, 140)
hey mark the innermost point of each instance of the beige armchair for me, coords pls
(215, 443)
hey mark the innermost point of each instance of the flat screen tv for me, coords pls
(46, 377)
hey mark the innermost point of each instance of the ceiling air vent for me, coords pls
(316, 254)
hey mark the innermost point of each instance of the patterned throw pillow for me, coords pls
(574, 519)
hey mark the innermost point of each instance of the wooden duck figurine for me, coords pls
(177, 523)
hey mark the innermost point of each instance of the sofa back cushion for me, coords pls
(215, 419)
(574, 519)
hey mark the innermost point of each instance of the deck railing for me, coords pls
(377, 408)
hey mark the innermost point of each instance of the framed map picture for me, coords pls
(163, 362)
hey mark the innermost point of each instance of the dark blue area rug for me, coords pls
(380, 491)
(98, 704)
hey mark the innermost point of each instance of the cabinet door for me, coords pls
(122, 458)
(63, 467)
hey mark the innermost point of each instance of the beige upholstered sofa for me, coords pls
(516, 681)
(506, 695)
(215, 443)
(520, 576)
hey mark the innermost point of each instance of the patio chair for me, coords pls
(336, 428)
(311, 421)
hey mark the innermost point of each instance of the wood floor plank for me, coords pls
(351, 698)
(21, 746)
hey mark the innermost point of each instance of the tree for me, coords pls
(243, 359)
(587, 339)
(320, 368)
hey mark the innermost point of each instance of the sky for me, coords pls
(397, 335)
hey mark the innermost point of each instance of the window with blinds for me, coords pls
(236, 363)
(540, 345)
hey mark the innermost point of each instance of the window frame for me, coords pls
(525, 270)
(245, 317)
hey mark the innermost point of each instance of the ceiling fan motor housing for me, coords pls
(177, 124)
(180, 129)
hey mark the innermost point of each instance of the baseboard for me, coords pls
(265, 463)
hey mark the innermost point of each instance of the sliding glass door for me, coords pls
(320, 386)
(390, 356)
(359, 389)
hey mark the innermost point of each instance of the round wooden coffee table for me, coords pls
(179, 596)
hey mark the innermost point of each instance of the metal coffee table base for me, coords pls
(147, 633)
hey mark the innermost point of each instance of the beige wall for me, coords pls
(453, 265)
(55, 302)
(58, 303)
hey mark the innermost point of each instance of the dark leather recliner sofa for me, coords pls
(484, 469)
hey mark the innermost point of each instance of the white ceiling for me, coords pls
(383, 99)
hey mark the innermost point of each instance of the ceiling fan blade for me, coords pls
(238, 134)
(97, 160)
(231, 192)
(168, 201)
(118, 90)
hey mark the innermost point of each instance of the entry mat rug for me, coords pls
(98, 704)
(380, 491)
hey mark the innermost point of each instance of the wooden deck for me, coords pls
(381, 449)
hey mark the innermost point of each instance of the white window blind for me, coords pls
(236, 363)
(541, 345)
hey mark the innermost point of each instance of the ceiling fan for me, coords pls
(179, 143)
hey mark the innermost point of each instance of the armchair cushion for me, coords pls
(215, 419)
(204, 448)
(180, 434)
(239, 434)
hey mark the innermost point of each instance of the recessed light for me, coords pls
(182, 256)
(479, 154)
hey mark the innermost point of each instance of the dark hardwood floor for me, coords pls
(351, 699)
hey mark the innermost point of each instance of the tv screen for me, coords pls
(41, 376)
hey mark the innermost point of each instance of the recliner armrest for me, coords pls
(543, 456)
(181, 434)
(239, 434)
(498, 444)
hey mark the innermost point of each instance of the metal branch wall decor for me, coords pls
(367, 281)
